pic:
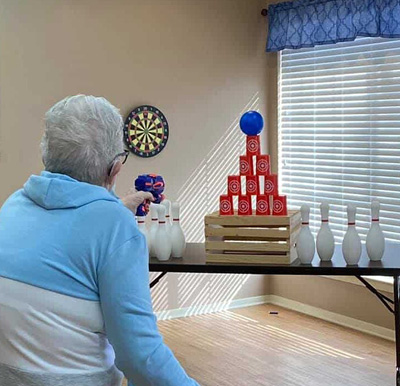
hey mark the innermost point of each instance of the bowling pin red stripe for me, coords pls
(351, 223)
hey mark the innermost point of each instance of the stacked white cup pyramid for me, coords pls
(164, 240)
(351, 246)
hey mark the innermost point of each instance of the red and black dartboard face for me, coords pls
(146, 131)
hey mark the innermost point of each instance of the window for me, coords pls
(339, 131)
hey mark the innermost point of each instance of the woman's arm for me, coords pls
(130, 322)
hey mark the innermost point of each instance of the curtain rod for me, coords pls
(264, 12)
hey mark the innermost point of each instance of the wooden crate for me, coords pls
(251, 239)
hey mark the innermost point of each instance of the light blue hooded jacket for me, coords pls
(73, 278)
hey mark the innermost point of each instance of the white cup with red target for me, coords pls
(244, 206)
(234, 185)
(225, 205)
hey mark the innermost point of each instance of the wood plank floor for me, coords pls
(250, 347)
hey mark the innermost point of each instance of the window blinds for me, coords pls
(339, 131)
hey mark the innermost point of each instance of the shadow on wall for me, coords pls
(196, 294)
(199, 196)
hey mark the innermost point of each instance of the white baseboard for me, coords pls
(333, 317)
(316, 312)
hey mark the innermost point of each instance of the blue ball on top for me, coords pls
(251, 123)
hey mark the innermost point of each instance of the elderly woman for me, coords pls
(74, 280)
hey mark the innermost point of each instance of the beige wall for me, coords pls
(336, 296)
(201, 62)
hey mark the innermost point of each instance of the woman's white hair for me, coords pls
(83, 135)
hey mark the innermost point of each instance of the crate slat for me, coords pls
(246, 246)
(294, 235)
(249, 232)
(248, 259)
(241, 238)
(295, 219)
(250, 221)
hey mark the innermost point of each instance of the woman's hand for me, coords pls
(133, 199)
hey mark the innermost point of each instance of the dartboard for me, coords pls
(146, 131)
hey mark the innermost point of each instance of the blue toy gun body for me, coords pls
(152, 183)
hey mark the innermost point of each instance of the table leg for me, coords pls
(157, 279)
(397, 325)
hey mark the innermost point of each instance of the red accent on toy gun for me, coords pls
(152, 183)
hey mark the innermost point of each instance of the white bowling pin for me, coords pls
(351, 246)
(163, 245)
(305, 245)
(325, 239)
(177, 236)
(153, 228)
(141, 221)
(167, 204)
(375, 238)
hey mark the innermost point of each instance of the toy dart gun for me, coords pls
(152, 183)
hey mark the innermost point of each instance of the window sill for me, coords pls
(381, 283)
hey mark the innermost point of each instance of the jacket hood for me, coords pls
(58, 191)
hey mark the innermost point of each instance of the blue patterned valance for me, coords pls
(306, 23)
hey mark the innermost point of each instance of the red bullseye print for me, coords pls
(252, 185)
(234, 185)
(271, 185)
(279, 207)
(244, 207)
(262, 205)
(225, 205)
(263, 165)
(253, 144)
(246, 165)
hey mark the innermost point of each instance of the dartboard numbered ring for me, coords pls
(146, 131)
